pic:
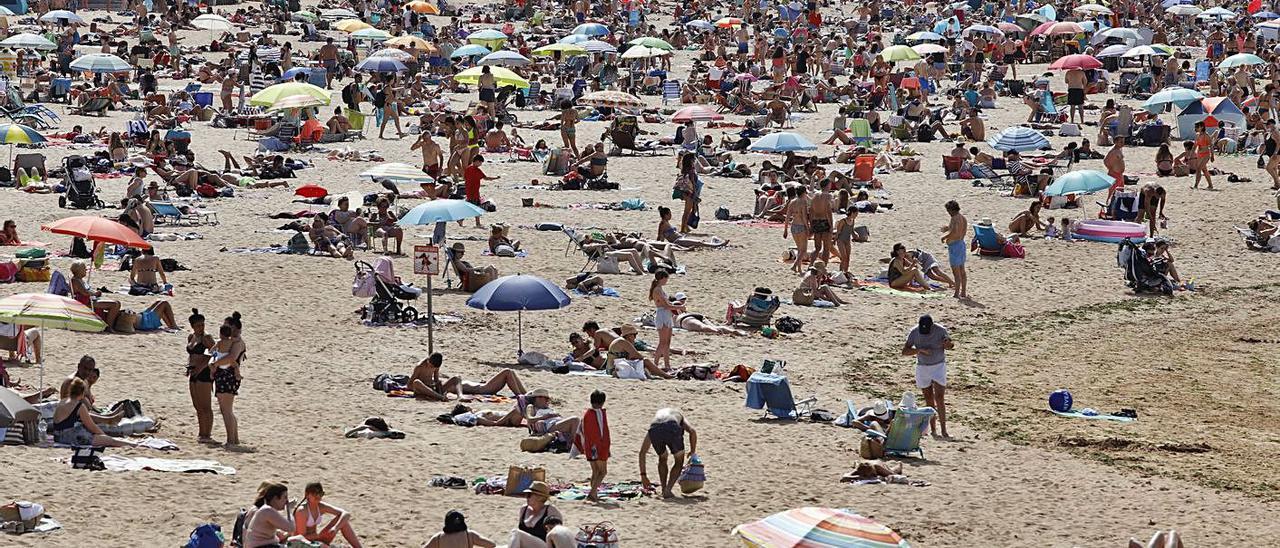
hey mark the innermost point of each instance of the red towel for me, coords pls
(592, 438)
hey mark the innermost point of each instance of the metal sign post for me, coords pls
(426, 260)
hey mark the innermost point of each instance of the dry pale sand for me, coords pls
(1013, 476)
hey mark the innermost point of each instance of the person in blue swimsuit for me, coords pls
(953, 236)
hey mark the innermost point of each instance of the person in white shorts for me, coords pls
(929, 343)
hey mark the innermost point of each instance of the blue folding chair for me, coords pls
(772, 393)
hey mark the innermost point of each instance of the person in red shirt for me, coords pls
(472, 176)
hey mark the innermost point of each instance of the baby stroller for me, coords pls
(502, 105)
(386, 293)
(1139, 273)
(82, 192)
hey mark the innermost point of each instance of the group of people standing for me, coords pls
(213, 371)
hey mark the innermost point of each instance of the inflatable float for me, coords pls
(1101, 230)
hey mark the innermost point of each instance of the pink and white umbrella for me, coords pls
(1076, 61)
(696, 113)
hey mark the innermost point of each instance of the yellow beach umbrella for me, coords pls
(279, 92)
(351, 25)
(564, 49)
(504, 77)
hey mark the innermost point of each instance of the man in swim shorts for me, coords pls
(956, 251)
(929, 343)
(666, 437)
(1076, 83)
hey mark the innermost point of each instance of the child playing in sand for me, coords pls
(592, 440)
(1066, 229)
(1050, 229)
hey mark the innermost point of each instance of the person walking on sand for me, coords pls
(471, 177)
(956, 252)
(666, 437)
(1204, 156)
(1114, 162)
(797, 222)
(821, 208)
(592, 440)
(1076, 83)
(929, 343)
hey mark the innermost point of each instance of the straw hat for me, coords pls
(628, 329)
(881, 410)
(538, 488)
(986, 221)
(539, 393)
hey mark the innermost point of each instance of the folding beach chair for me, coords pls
(772, 393)
(903, 438)
(576, 241)
(1202, 71)
(16, 104)
(984, 237)
(95, 105)
(860, 130)
(671, 91)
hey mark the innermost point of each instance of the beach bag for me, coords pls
(1014, 250)
(126, 321)
(693, 476)
(88, 458)
(787, 324)
(520, 477)
(26, 513)
(872, 447)
(504, 251)
(597, 535)
(694, 219)
(681, 187)
(363, 286)
(722, 213)
(9, 270)
(608, 265)
(208, 535)
(629, 369)
(298, 244)
(29, 274)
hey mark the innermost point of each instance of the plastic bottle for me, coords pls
(42, 430)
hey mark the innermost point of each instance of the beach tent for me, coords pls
(18, 7)
(1213, 111)
(15, 412)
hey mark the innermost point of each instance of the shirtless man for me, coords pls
(797, 215)
(328, 55)
(432, 157)
(666, 437)
(973, 128)
(821, 208)
(953, 237)
(1076, 83)
(495, 140)
(1114, 162)
(425, 382)
(601, 338)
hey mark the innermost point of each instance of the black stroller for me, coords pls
(82, 191)
(1139, 273)
(388, 302)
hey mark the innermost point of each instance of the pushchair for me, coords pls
(502, 105)
(82, 192)
(1139, 273)
(386, 293)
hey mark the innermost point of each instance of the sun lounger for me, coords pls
(903, 438)
(95, 105)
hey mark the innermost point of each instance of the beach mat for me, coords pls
(116, 463)
(1078, 415)
(884, 289)
(618, 492)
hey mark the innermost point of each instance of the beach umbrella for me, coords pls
(1092, 9)
(410, 41)
(643, 52)
(394, 53)
(28, 40)
(652, 42)
(598, 46)
(1169, 3)
(929, 49)
(423, 8)
(1183, 9)
(1241, 59)
(351, 25)
(729, 22)
(100, 63)
(505, 57)
(519, 292)
(45, 310)
(397, 173)
(304, 15)
(924, 36)
(339, 13)
(696, 113)
(983, 29)
(1030, 21)
(1265, 15)
(18, 134)
(1217, 12)
(573, 39)
(469, 50)
(1120, 33)
(1019, 138)
(610, 98)
(562, 48)
(1172, 95)
(1080, 181)
(62, 17)
(1076, 61)
(6, 12)
(381, 64)
(591, 29)
(439, 211)
(98, 229)
(1053, 28)
(293, 73)
(487, 37)
(700, 24)
(375, 35)
(817, 528)
(211, 22)
(503, 76)
(899, 52)
(783, 141)
(1153, 49)
(269, 96)
(1010, 28)
(298, 101)
(1116, 50)
(311, 191)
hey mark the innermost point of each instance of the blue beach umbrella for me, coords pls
(591, 29)
(1083, 181)
(469, 50)
(574, 39)
(1172, 95)
(1019, 138)
(784, 141)
(291, 73)
(381, 64)
(519, 293)
(439, 211)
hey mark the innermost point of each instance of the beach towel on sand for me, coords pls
(1081, 415)
(116, 463)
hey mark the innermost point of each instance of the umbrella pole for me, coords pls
(520, 332)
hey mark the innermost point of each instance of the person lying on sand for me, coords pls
(543, 419)
(425, 383)
(584, 352)
(668, 233)
(624, 348)
(498, 237)
(699, 323)
(585, 282)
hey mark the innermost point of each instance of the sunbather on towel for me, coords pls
(624, 348)
(668, 233)
(310, 513)
(543, 419)
(425, 382)
(74, 425)
(905, 270)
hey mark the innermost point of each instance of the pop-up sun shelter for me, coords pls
(1213, 111)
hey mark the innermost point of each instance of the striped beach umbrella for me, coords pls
(100, 63)
(610, 98)
(1152, 50)
(397, 172)
(506, 58)
(394, 53)
(339, 13)
(1173, 95)
(983, 29)
(28, 40)
(729, 22)
(1115, 50)
(45, 310)
(381, 64)
(923, 36)
(696, 113)
(270, 95)
(1018, 138)
(818, 528)
(591, 29)
(598, 46)
(574, 39)
(18, 134)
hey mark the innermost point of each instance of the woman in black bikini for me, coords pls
(585, 352)
(532, 529)
(73, 423)
(200, 375)
(1271, 151)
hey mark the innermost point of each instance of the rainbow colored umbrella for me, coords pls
(46, 310)
(817, 528)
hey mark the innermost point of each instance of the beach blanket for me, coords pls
(116, 463)
(519, 254)
(886, 290)
(617, 492)
(597, 373)
(486, 398)
(606, 292)
(1096, 416)
(280, 250)
(680, 269)
(45, 525)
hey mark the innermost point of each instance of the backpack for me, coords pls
(208, 535)
(298, 244)
(787, 324)
(722, 213)
(387, 382)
